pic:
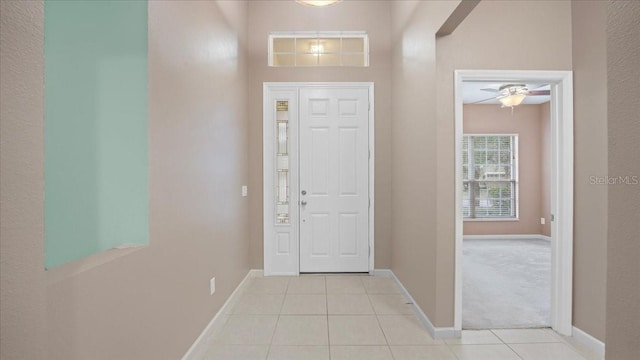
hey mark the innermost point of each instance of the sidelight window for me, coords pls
(282, 162)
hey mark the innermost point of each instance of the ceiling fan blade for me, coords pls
(539, 92)
(491, 90)
(481, 101)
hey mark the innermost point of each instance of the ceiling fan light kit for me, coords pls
(515, 94)
(511, 100)
(512, 94)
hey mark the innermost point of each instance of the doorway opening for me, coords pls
(318, 178)
(489, 195)
(506, 207)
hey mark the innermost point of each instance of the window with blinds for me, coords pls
(329, 48)
(490, 176)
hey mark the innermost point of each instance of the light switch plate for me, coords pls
(244, 190)
(542, 221)
(212, 285)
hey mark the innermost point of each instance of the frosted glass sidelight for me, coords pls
(282, 187)
(282, 162)
(282, 113)
(282, 137)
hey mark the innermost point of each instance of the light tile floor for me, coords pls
(339, 317)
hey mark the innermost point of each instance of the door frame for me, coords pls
(288, 265)
(561, 184)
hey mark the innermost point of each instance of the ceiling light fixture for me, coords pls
(318, 3)
(512, 95)
(511, 100)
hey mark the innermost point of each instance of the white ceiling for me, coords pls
(471, 93)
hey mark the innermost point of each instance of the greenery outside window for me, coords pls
(490, 176)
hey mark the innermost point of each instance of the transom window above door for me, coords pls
(330, 48)
(490, 177)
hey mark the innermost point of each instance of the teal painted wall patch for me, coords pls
(96, 148)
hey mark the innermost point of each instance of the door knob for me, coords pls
(303, 203)
(304, 192)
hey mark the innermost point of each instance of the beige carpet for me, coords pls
(506, 284)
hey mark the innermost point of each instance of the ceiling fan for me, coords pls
(511, 95)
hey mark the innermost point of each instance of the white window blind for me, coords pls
(490, 176)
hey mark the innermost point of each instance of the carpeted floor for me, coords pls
(506, 284)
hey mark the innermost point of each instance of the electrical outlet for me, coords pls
(244, 190)
(542, 221)
(212, 285)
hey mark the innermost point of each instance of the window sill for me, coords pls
(73, 268)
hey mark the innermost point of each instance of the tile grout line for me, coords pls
(498, 337)
(450, 349)
(448, 346)
(273, 335)
(503, 341)
(554, 339)
(326, 300)
(509, 345)
(515, 352)
(378, 321)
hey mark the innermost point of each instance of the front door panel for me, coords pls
(334, 171)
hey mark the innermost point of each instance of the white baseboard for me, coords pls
(594, 345)
(436, 332)
(198, 348)
(507, 237)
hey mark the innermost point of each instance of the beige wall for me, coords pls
(153, 302)
(590, 132)
(22, 278)
(473, 46)
(547, 48)
(623, 247)
(423, 141)
(370, 16)
(545, 168)
(526, 123)
(416, 254)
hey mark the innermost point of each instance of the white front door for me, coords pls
(334, 180)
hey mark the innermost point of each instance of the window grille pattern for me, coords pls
(490, 176)
(282, 162)
(319, 49)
